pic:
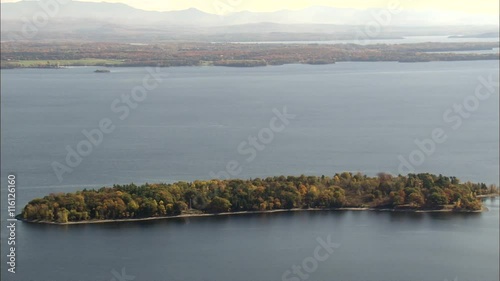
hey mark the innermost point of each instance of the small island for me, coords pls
(102, 71)
(344, 191)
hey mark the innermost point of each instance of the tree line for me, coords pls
(414, 191)
(171, 54)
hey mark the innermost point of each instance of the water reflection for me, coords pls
(264, 245)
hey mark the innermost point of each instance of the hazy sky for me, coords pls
(489, 7)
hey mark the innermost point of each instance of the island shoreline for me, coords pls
(226, 214)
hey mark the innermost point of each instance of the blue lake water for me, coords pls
(347, 117)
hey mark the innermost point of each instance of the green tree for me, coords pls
(219, 205)
(437, 199)
(416, 199)
(179, 207)
(62, 215)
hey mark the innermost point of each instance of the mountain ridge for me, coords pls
(123, 13)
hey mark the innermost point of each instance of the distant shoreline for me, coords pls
(257, 65)
(236, 55)
(484, 209)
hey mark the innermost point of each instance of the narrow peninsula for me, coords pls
(344, 191)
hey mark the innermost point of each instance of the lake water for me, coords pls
(348, 117)
(404, 40)
(491, 51)
(368, 246)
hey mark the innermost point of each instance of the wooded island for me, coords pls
(414, 192)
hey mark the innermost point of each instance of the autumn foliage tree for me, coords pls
(414, 191)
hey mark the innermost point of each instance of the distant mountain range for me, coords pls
(112, 22)
(122, 14)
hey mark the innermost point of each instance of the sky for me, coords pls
(487, 7)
